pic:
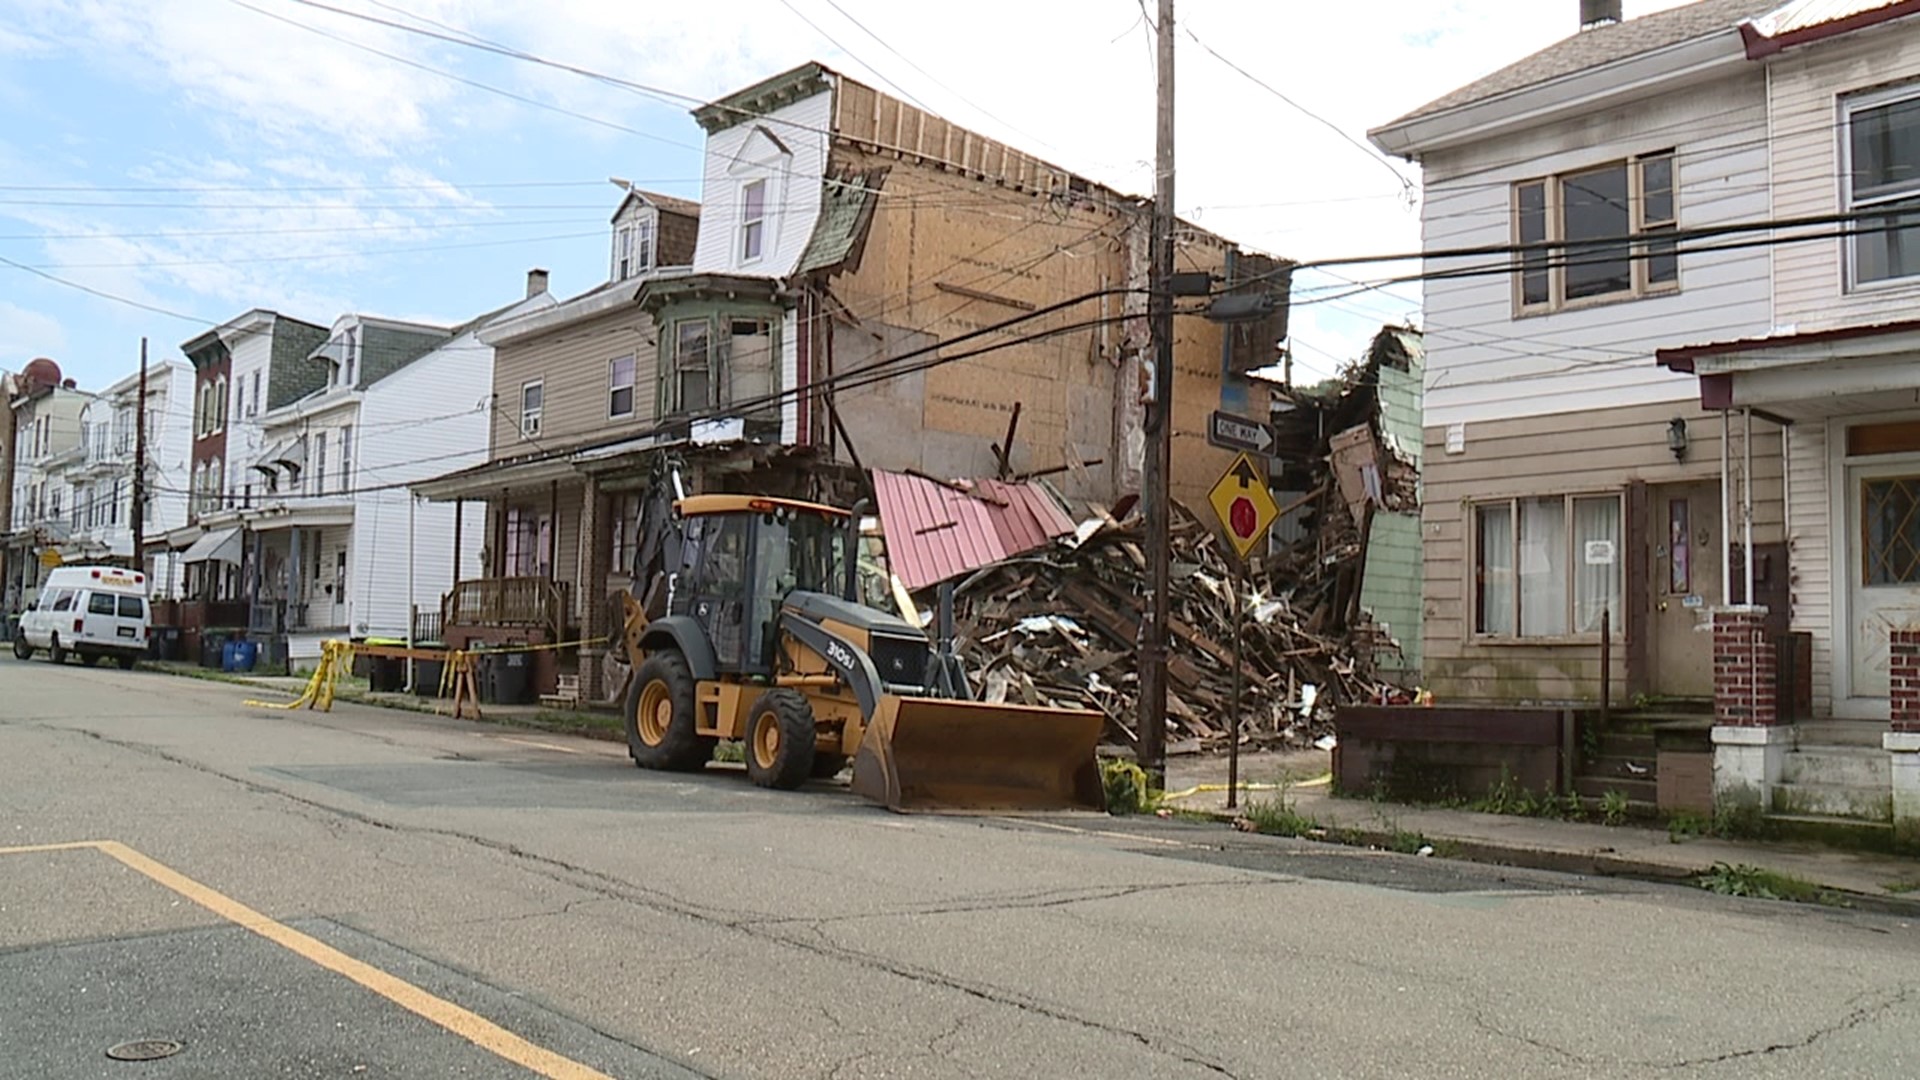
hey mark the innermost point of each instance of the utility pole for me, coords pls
(140, 468)
(1159, 424)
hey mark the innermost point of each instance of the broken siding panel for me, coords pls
(1807, 90)
(1391, 589)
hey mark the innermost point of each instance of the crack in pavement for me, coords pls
(1887, 1001)
(1032, 902)
(740, 922)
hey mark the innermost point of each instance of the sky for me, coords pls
(195, 159)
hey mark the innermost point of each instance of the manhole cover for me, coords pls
(144, 1050)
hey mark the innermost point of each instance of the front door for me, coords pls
(1883, 566)
(1684, 580)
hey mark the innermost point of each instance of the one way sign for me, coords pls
(1230, 432)
(1244, 505)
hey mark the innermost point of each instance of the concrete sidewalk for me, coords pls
(597, 725)
(1632, 850)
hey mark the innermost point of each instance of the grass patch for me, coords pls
(1613, 807)
(1900, 888)
(1763, 884)
(1277, 817)
(730, 752)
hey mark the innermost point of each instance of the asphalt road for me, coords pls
(377, 894)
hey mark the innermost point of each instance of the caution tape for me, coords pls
(1318, 781)
(335, 657)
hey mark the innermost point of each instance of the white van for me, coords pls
(89, 611)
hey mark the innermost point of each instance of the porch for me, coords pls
(1847, 404)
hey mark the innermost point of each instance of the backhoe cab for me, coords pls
(750, 630)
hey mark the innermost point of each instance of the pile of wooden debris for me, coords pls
(1060, 625)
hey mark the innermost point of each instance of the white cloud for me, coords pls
(25, 334)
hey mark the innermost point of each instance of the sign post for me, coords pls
(1246, 511)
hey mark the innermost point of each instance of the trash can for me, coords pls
(428, 673)
(213, 645)
(246, 653)
(164, 643)
(513, 678)
(386, 674)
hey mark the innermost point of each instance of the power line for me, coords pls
(1407, 187)
(104, 295)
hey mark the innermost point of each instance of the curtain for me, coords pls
(1542, 570)
(1597, 555)
(1494, 528)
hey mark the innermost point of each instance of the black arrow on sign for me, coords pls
(1244, 472)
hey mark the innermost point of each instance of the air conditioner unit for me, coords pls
(530, 426)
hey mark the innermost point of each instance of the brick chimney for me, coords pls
(536, 283)
(1597, 13)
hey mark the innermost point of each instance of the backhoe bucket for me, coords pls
(934, 754)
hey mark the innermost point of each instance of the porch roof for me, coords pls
(1801, 373)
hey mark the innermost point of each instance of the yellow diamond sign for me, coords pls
(1244, 505)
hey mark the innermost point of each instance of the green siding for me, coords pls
(1401, 394)
(1391, 590)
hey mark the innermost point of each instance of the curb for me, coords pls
(1558, 860)
(410, 704)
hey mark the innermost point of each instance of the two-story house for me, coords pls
(842, 238)
(1686, 426)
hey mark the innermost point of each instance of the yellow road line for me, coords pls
(31, 848)
(469, 1026)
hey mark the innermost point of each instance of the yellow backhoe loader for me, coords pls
(749, 630)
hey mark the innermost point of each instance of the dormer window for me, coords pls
(633, 248)
(349, 355)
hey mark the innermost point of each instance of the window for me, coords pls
(532, 396)
(220, 404)
(113, 511)
(753, 219)
(63, 600)
(1890, 528)
(1546, 567)
(751, 374)
(132, 607)
(350, 355)
(256, 404)
(1595, 210)
(691, 384)
(620, 387)
(346, 458)
(632, 249)
(320, 463)
(1883, 169)
(529, 544)
(625, 529)
(101, 604)
(203, 410)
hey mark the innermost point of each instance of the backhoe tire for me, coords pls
(780, 740)
(828, 766)
(660, 716)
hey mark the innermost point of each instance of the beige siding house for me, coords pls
(1776, 360)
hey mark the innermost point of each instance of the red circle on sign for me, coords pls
(1242, 518)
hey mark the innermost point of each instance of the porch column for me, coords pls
(593, 589)
(1749, 742)
(1903, 741)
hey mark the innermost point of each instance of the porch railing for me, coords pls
(513, 601)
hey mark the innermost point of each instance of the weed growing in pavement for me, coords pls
(1277, 817)
(1686, 823)
(1763, 884)
(1899, 887)
(1613, 807)
(730, 752)
(1129, 791)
